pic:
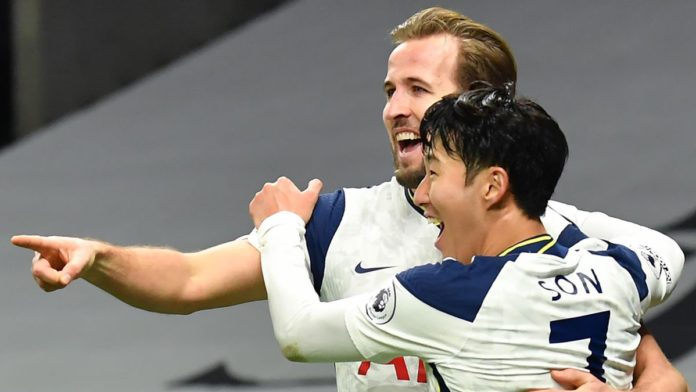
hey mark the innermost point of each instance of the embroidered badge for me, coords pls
(380, 307)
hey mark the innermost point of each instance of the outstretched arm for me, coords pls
(155, 279)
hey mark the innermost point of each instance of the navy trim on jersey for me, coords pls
(626, 258)
(452, 287)
(321, 229)
(557, 250)
(440, 381)
(459, 289)
(630, 262)
(570, 236)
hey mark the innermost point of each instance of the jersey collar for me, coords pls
(538, 244)
(409, 198)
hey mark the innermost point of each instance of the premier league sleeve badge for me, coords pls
(380, 307)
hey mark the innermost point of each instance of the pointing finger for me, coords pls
(34, 242)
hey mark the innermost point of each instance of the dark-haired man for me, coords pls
(510, 301)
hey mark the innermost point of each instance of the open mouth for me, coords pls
(437, 222)
(408, 141)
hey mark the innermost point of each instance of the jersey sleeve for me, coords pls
(306, 329)
(657, 263)
(252, 238)
(319, 232)
(321, 228)
(660, 258)
(392, 322)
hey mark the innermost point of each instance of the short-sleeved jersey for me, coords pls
(500, 323)
(358, 239)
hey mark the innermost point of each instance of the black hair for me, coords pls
(488, 127)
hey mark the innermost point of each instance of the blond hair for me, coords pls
(483, 53)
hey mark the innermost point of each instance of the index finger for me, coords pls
(34, 242)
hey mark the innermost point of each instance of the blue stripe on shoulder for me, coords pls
(321, 228)
(630, 262)
(626, 258)
(570, 236)
(452, 287)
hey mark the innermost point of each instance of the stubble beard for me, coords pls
(409, 178)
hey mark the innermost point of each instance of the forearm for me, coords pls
(307, 330)
(168, 281)
(653, 371)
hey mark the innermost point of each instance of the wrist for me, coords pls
(102, 252)
(283, 228)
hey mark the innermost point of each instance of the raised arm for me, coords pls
(155, 279)
(306, 329)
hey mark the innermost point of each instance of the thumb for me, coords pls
(314, 186)
(79, 261)
(571, 378)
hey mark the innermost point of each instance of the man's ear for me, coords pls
(496, 185)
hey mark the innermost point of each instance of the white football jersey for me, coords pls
(500, 323)
(358, 239)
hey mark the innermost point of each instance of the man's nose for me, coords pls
(397, 106)
(422, 197)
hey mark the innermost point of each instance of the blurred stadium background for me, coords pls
(155, 122)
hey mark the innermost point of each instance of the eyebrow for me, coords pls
(410, 79)
(430, 156)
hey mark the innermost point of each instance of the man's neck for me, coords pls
(507, 230)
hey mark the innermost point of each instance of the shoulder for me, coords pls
(383, 190)
(330, 207)
(626, 258)
(328, 211)
(452, 287)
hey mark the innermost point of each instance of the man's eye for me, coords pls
(389, 92)
(419, 89)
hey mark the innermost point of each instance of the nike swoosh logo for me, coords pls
(359, 268)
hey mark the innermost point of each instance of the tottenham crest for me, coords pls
(380, 307)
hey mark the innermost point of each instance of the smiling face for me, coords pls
(419, 73)
(492, 162)
(459, 206)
